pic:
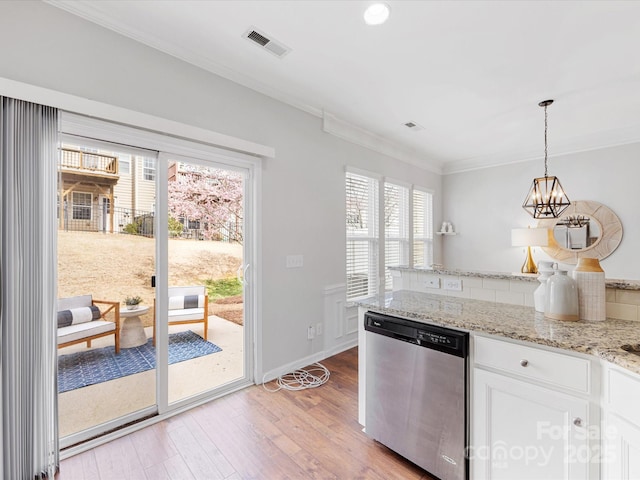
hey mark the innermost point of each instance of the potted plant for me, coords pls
(132, 302)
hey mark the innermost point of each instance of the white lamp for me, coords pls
(529, 237)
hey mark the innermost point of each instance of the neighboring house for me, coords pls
(105, 191)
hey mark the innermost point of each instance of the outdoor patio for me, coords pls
(111, 399)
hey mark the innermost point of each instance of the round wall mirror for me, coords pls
(586, 229)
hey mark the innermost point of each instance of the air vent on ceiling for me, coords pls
(263, 40)
(413, 126)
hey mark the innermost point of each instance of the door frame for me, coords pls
(162, 275)
(137, 139)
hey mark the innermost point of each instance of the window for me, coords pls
(124, 164)
(81, 206)
(422, 229)
(362, 235)
(396, 229)
(149, 169)
(405, 223)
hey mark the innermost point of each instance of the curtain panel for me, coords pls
(28, 232)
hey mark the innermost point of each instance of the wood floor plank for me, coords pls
(177, 469)
(79, 467)
(256, 434)
(153, 445)
(193, 454)
(213, 452)
(118, 460)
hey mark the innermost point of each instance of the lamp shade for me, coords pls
(529, 237)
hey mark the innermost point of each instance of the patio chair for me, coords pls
(81, 320)
(187, 305)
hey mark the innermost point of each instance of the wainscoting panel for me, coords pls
(341, 323)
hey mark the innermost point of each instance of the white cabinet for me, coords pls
(525, 431)
(532, 414)
(621, 455)
(621, 442)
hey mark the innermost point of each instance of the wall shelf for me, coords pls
(446, 233)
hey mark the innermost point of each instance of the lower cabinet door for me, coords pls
(621, 456)
(524, 431)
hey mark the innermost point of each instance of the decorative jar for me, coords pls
(591, 289)
(561, 297)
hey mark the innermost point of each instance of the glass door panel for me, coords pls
(106, 253)
(206, 340)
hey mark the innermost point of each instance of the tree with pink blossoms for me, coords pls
(210, 197)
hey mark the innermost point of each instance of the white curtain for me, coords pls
(28, 232)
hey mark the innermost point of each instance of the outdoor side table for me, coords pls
(132, 332)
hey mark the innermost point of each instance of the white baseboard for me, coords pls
(306, 361)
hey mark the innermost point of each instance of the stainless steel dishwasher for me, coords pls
(416, 392)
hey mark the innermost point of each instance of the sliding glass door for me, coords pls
(154, 287)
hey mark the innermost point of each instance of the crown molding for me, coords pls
(579, 144)
(360, 136)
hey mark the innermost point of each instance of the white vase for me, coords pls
(561, 297)
(545, 270)
(591, 289)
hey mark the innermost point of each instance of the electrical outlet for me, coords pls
(295, 261)
(453, 284)
(311, 332)
(319, 328)
(433, 282)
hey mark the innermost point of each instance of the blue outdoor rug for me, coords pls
(81, 369)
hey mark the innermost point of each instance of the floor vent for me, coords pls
(269, 44)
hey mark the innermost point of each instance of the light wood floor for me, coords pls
(254, 434)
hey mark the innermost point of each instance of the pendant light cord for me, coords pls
(545, 141)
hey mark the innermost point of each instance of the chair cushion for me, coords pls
(183, 302)
(75, 316)
(188, 314)
(83, 330)
(192, 290)
(74, 302)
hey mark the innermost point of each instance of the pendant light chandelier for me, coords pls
(546, 198)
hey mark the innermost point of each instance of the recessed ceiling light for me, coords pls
(376, 14)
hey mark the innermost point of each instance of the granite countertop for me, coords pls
(601, 339)
(524, 277)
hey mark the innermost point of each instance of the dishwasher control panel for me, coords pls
(438, 339)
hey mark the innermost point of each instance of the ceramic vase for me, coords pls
(561, 297)
(545, 269)
(591, 289)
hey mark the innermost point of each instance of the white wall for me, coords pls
(486, 204)
(303, 187)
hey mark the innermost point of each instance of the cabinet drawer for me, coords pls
(537, 364)
(622, 394)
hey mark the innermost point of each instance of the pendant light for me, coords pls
(546, 198)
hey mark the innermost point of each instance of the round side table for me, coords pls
(132, 332)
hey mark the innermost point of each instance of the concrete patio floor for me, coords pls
(95, 404)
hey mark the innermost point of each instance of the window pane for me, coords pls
(149, 169)
(362, 235)
(422, 229)
(81, 207)
(396, 229)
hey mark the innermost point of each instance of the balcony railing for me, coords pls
(94, 162)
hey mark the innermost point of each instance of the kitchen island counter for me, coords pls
(601, 339)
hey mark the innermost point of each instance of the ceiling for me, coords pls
(470, 72)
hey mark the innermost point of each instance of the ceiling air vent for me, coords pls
(264, 41)
(413, 126)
